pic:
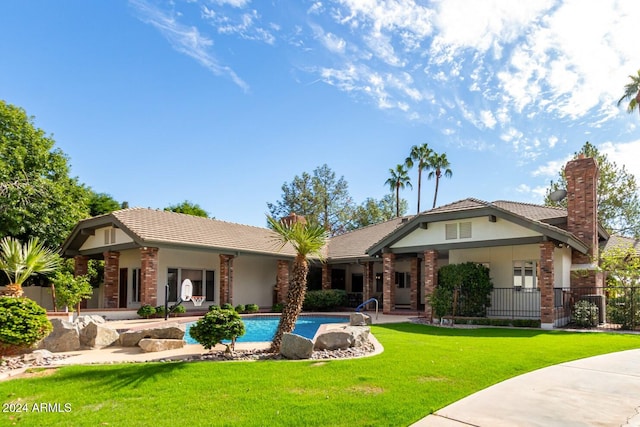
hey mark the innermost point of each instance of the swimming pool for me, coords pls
(262, 328)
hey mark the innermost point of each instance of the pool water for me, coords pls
(262, 329)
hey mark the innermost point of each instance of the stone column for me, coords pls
(430, 280)
(415, 262)
(81, 265)
(326, 276)
(389, 282)
(149, 276)
(111, 278)
(545, 284)
(367, 279)
(226, 279)
(282, 280)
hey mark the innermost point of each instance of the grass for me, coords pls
(422, 369)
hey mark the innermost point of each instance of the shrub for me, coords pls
(213, 307)
(179, 309)
(226, 306)
(216, 326)
(146, 311)
(473, 285)
(324, 300)
(71, 290)
(277, 308)
(240, 308)
(22, 324)
(585, 314)
(252, 308)
(159, 311)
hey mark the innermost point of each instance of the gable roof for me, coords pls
(354, 244)
(149, 227)
(535, 217)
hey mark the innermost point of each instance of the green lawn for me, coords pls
(422, 369)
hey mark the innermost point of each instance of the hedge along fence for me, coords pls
(463, 290)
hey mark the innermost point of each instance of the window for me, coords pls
(403, 280)
(206, 287)
(524, 275)
(136, 286)
(460, 230)
(109, 236)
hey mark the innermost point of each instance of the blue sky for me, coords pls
(221, 101)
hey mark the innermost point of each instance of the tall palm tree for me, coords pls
(420, 154)
(20, 261)
(632, 93)
(399, 179)
(439, 165)
(307, 240)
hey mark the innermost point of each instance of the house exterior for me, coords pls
(532, 252)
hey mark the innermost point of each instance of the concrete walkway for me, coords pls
(597, 391)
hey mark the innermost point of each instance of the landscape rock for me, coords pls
(343, 338)
(84, 320)
(36, 357)
(359, 319)
(64, 337)
(174, 331)
(97, 336)
(296, 347)
(149, 345)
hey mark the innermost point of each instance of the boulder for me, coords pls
(97, 336)
(149, 345)
(296, 347)
(84, 320)
(65, 337)
(359, 319)
(342, 338)
(172, 331)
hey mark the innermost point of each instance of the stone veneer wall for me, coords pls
(545, 283)
(389, 285)
(226, 279)
(430, 280)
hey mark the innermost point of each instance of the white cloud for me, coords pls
(233, 3)
(186, 39)
(624, 154)
(488, 119)
(551, 168)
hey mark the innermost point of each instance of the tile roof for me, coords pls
(354, 244)
(622, 243)
(157, 226)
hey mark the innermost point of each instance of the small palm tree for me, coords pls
(20, 261)
(439, 165)
(307, 240)
(420, 154)
(632, 93)
(399, 179)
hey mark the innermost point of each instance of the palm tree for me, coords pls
(399, 179)
(422, 155)
(307, 240)
(632, 93)
(20, 261)
(439, 165)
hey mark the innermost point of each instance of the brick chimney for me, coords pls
(582, 205)
(293, 219)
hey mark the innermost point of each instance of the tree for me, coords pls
(439, 165)
(307, 241)
(618, 200)
(397, 181)
(37, 196)
(216, 326)
(71, 290)
(420, 154)
(373, 211)
(631, 93)
(622, 268)
(320, 197)
(20, 261)
(188, 208)
(102, 203)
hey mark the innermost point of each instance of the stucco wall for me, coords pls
(253, 280)
(97, 240)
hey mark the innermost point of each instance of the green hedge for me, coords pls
(324, 300)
